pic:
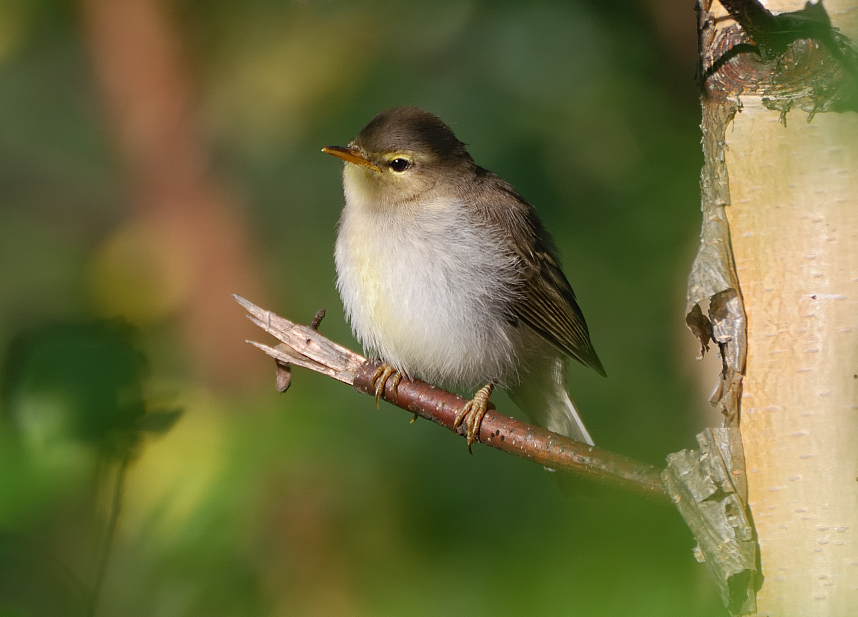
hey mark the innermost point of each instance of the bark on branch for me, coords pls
(304, 346)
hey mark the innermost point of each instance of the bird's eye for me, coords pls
(399, 165)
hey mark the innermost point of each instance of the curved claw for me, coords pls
(379, 380)
(474, 411)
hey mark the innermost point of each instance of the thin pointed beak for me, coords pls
(350, 155)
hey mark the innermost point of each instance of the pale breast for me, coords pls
(428, 293)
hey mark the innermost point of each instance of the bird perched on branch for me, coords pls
(448, 275)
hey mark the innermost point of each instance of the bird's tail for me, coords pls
(541, 394)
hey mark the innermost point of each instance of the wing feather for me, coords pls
(545, 301)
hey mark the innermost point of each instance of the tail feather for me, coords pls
(577, 430)
(542, 395)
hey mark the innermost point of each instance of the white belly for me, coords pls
(427, 294)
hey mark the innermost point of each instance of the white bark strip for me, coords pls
(794, 226)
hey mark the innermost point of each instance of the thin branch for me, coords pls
(304, 346)
(109, 535)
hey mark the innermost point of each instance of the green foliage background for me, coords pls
(314, 503)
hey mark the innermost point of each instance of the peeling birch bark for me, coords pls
(790, 159)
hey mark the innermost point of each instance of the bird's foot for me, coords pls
(380, 377)
(473, 412)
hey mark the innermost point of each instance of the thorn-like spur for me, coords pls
(380, 377)
(317, 319)
(474, 410)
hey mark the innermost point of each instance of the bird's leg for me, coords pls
(474, 410)
(380, 377)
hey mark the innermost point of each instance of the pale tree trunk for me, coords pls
(794, 217)
(792, 209)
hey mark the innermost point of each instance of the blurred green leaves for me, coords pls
(313, 502)
(79, 383)
(72, 415)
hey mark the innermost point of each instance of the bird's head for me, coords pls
(402, 155)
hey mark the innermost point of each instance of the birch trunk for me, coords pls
(794, 221)
(793, 218)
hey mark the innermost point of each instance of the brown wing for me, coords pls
(546, 302)
(548, 306)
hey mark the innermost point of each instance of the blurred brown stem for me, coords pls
(146, 86)
(304, 346)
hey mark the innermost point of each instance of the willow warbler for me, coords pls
(448, 275)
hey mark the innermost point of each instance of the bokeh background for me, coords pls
(157, 156)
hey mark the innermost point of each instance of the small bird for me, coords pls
(447, 274)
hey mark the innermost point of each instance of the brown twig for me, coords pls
(304, 346)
